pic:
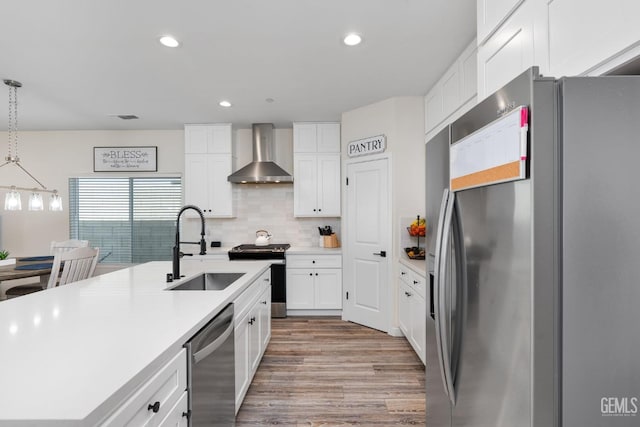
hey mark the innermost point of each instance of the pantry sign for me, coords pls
(371, 145)
(125, 159)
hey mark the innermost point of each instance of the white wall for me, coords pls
(54, 157)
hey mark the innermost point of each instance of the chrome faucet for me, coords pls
(176, 249)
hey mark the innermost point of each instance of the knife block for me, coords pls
(331, 241)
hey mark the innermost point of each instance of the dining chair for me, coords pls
(67, 245)
(73, 265)
(68, 266)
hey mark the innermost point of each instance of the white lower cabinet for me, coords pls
(176, 416)
(412, 309)
(156, 400)
(314, 282)
(252, 317)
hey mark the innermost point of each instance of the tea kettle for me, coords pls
(262, 238)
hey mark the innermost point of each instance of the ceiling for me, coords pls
(82, 62)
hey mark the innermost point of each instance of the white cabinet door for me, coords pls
(490, 13)
(328, 185)
(221, 190)
(328, 137)
(417, 335)
(206, 185)
(305, 185)
(241, 340)
(220, 139)
(196, 178)
(177, 416)
(508, 52)
(264, 303)
(404, 316)
(328, 288)
(208, 138)
(583, 34)
(254, 338)
(300, 289)
(305, 138)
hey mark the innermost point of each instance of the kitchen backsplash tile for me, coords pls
(262, 207)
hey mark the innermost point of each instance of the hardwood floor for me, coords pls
(326, 372)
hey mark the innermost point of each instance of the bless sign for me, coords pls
(371, 145)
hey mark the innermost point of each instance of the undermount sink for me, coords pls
(208, 282)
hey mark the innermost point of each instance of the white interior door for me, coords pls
(368, 233)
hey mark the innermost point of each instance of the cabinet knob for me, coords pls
(314, 210)
(155, 407)
(407, 293)
(313, 262)
(319, 210)
(264, 302)
(415, 282)
(310, 274)
(316, 274)
(402, 273)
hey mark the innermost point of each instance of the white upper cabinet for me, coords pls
(454, 93)
(491, 13)
(207, 138)
(207, 164)
(316, 137)
(316, 169)
(584, 34)
(518, 44)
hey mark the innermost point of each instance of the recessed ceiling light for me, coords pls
(224, 104)
(269, 100)
(169, 41)
(352, 39)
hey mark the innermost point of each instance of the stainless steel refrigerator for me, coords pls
(534, 313)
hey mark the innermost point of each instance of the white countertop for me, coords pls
(419, 266)
(69, 353)
(300, 250)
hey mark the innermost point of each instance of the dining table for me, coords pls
(25, 267)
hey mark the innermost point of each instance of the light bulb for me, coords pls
(12, 201)
(35, 202)
(55, 202)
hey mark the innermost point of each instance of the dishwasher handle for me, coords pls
(210, 348)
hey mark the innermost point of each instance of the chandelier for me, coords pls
(12, 200)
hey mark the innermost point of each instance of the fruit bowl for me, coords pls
(415, 252)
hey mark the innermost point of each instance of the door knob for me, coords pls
(383, 254)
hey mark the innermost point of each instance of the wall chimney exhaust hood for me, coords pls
(262, 170)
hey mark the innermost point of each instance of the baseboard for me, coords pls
(395, 332)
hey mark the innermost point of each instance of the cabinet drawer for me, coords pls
(248, 297)
(177, 415)
(163, 390)
(404, 274)
(314, 261)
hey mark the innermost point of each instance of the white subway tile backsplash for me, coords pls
(263, 207)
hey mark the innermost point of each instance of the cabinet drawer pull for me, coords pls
(155, 407)
(415, 282)
(264, 302)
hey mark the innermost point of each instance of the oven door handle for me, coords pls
(210, 348)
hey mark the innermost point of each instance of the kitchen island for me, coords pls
(72, 355)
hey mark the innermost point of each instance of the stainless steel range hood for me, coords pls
(262, 170)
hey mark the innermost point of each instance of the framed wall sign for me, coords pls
(125, 159)
(371, 145)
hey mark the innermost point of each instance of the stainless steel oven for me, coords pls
(211, 373)
(276, 254)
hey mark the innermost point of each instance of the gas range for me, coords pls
(273, 251)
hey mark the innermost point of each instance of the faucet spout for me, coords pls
(176, 248)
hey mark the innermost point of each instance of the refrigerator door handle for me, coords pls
(438, 288)
(444, 324)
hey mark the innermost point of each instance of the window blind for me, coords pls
(129, 219)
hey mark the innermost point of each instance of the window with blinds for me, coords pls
(131, 220)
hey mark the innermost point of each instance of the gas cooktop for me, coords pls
(273, 251)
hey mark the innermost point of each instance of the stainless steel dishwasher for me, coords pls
(211, 373)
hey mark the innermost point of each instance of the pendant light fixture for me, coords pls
(12, 200)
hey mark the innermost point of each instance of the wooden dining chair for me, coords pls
(67, 245)
(69, 265)
(73, 265)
